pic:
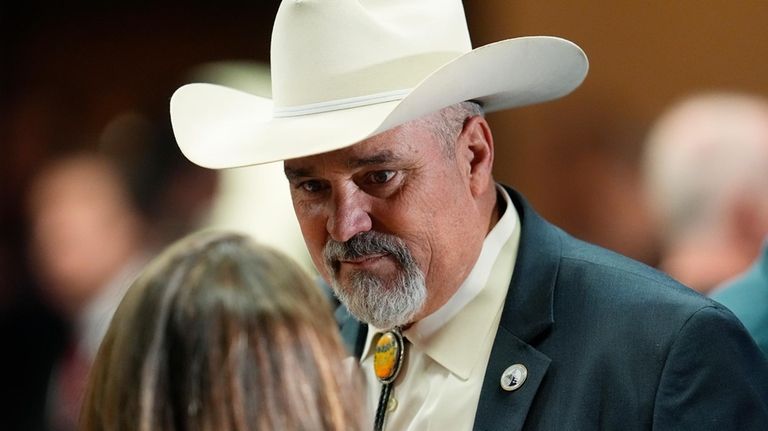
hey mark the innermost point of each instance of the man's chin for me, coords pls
(381, 323)
(381, 315)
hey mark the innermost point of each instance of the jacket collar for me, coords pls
(527, 317)
(528, 306)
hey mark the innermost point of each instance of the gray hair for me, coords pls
(448, 122)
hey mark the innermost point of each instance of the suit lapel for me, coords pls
(499, 409)
(527, 317)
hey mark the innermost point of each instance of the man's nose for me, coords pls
(349, 216)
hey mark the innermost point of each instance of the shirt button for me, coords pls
(392, 404)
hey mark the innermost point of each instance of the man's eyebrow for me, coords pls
(385, 156)
(293, 173)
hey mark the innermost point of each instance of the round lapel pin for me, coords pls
(514, 377)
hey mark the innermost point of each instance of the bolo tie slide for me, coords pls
(387, 361)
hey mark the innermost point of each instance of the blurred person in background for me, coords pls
(706, 174)
(89, 242)
(221, 333)
(747, 296)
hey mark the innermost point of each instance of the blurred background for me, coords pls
(93, 183)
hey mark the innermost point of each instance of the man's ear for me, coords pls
(476, 154)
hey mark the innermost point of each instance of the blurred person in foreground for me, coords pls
(464, 307)
(221, 333)
(747, 296)
(89, 243)
(706, 171)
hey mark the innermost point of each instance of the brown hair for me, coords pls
(220, 333)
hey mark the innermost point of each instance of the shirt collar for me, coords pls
(477, 278)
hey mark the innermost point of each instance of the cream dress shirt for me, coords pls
(447, 353)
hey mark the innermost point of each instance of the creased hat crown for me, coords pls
(325, 50)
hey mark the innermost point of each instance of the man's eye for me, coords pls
(380, 177)
(311, 186)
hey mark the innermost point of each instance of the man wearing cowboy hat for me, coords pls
(497, 319)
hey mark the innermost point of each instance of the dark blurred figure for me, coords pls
(33, 335)
(706, 169)
(220, 333)
(747, 297)
(88, 244)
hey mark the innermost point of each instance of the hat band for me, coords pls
(337, 104)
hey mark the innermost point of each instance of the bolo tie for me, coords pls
(387, 361)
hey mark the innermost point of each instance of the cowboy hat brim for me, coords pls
(219, 127)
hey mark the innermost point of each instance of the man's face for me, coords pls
(385, 222)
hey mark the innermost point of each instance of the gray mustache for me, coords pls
(365, 244)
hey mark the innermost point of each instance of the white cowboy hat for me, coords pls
(345, 70)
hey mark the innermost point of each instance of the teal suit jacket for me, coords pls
(610, 344)
(747, 297)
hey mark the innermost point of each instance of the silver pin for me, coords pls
(514, 377)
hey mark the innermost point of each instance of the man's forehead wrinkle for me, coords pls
(384, 156)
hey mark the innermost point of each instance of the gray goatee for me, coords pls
(379, 301)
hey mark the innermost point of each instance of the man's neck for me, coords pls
(498, 210)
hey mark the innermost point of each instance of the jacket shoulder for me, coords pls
(594, 270)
